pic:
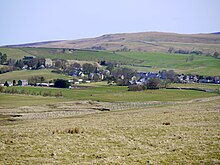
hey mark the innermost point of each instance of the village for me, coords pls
(88, 73)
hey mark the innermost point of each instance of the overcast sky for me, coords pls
(24, 21)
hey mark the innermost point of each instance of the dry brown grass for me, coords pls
(145, 41)
(135, 136)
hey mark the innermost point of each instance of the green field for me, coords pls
(78, 55)
(140, 61)
(202, 65)
(14, 53)
(25, 74)
(214, 87)
(119, 94)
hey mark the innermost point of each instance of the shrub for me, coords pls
(75, 130)
(47, 94)
(153, 83)
(23, 91)
(60, 83)
(136, 87)
(1, 89)
(59, 94)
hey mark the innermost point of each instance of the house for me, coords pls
(42, 67)
(80, 80)
(25, 67)
(144, 77)
(48, 63)
(217, 80)
(22, 82)
(141, 74)
(43, 84)
(70, 81)
(77, 73)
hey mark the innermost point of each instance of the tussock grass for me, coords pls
(75, 130)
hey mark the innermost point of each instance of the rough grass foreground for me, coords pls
(122, 137)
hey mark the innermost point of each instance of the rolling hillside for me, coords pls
(140, 61)
(144, 41)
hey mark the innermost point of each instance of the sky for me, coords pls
(27, 21)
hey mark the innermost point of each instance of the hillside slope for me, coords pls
(144, 41)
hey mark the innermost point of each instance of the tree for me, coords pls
(171, 75)
(60, 83)
(216, 55)
(153, 83)
(11, 62)
(110, 80)
(123, 75)
(6, 84)
(3, 58)
(36, 79)
(103, 63)
(14, 83)
(97, 77)
(88, 68)
(60, 64)
(170, 50)
(110, 66)
(76, 65)
(19, 64)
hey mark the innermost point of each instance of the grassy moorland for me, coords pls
(171, 134)
(26, 74)
(142, 41)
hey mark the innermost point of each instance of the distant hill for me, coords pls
(216, 33)
(143, 41)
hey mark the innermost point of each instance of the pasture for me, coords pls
(14, 53)
(202, 65)
(140, 61)
(107, 93)
(26, 74)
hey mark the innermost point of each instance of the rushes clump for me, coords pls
(75, 130)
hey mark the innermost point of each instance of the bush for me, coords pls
(1, 89)
(60, 83)
(136, 88)
(59, 94)
(153, 83)
(36, 79)
(45, 94)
